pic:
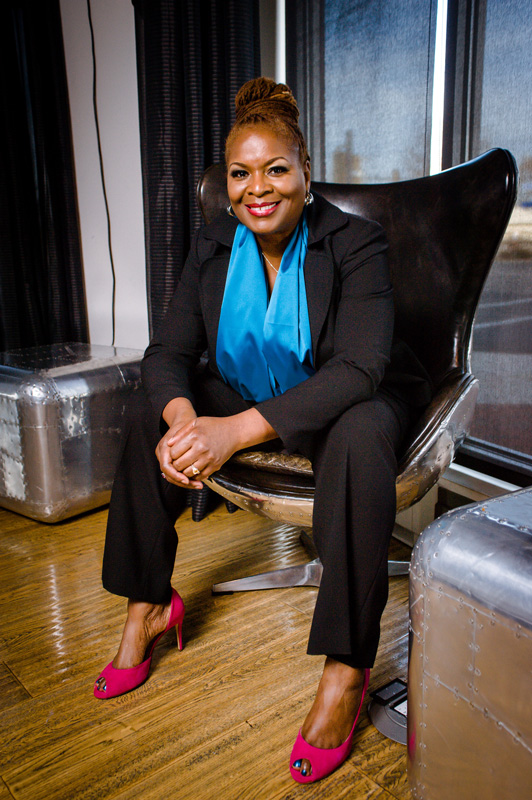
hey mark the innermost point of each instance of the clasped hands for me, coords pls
(195, 447)
(203, 443)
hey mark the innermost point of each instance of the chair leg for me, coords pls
(199, 500)
(308, 574)
(308, 543)
(398, 568)
(394, 567)
(300, 575)
(203, 500)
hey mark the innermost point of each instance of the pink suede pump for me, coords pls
(120, 681)
(323, 761)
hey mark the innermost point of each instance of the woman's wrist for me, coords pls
(251, 428)
(178, 411)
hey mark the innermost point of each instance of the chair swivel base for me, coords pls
(301, 575)
(308, 574)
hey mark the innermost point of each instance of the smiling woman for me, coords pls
(267, 186)
(268, 167)
(293, 303)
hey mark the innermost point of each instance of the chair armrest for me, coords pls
(435, 438)
(274, 462)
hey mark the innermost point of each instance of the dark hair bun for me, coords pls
(261, 101)
(264, 96)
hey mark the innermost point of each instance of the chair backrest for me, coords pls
(443, 233)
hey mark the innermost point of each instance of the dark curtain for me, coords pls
(305, 74)
(42, 298)
(192, 56)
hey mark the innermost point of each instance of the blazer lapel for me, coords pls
(219, 235)
(212, 279)
(319, 282)
(323, 218)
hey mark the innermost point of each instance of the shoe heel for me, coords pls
(179, 630)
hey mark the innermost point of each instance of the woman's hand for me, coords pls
(177, 414)
(190, 452)
(204, 444)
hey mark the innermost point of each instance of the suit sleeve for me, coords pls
(177, 346)
(363, 331)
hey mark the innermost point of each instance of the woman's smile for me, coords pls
(262, 209)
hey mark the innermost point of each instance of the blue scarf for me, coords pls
(264, 348)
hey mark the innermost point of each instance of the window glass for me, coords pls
(378, 57)
(502, 340)
(362, 71)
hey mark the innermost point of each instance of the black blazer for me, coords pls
(350, 306)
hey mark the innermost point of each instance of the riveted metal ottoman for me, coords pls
(470, 667)
(61, 417)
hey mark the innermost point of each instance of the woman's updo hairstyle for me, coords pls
(261, 101)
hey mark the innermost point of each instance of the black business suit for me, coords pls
(348, 418)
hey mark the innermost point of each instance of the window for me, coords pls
(499, 113)
(373, 62)
(363, 73)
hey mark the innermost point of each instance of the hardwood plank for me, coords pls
(158, 725)
(60, 633)
(173, 672)
(9, 521)
(5, 794)
(384, 761)
(170, 722)
(11, 690)
(260, 750)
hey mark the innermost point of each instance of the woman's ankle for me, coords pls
(331, 715)
(144, 621)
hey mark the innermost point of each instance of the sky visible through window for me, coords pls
(378, 88)
(506, 116)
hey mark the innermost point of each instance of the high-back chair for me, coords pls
(443, 233)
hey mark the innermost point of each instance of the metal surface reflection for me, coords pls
(470, 683)
(61, 416)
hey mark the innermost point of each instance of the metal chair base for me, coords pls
(308, 574)
(300, 575)
(396, 568)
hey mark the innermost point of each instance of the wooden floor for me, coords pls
(217, 720)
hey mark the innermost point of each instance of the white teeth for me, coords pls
(262, 209)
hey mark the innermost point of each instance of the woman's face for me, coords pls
(266, 184)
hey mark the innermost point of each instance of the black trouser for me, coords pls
(354, 466)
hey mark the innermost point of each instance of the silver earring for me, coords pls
(309, 198)
(230, 211)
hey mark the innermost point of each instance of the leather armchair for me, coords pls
(443, 232)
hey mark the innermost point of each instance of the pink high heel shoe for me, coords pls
(323, 761)
(120, 681)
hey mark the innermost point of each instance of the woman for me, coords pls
(292, 299)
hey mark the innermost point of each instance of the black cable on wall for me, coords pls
(102, 173)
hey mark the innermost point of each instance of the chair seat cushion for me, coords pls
(274, 462)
